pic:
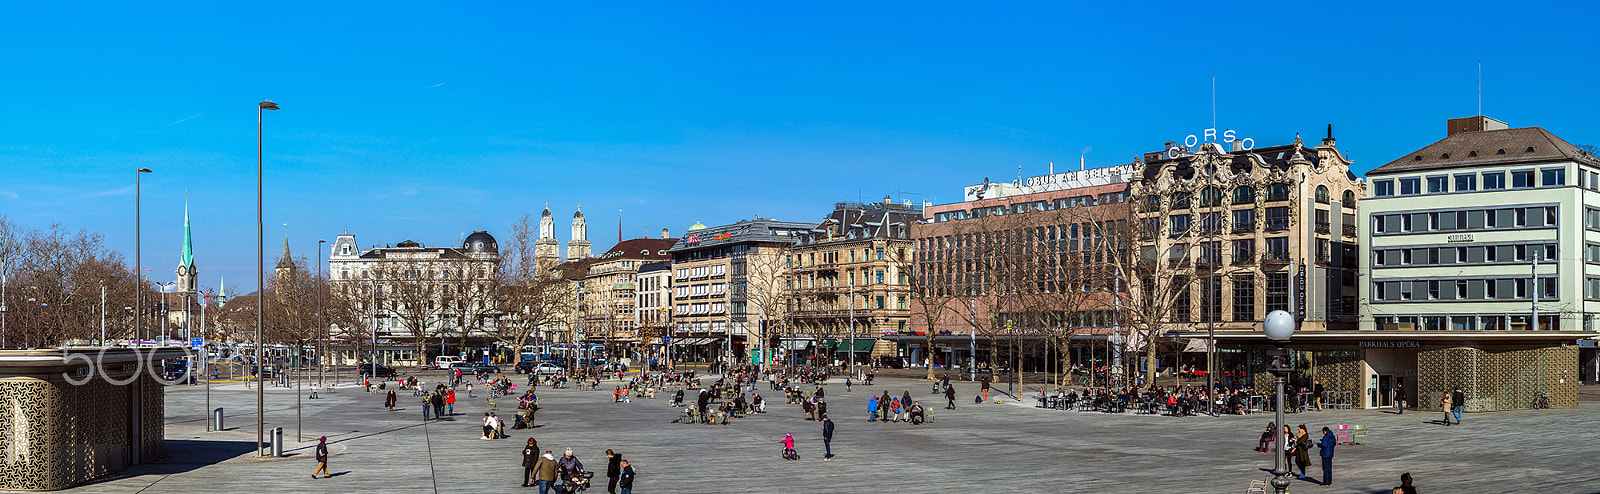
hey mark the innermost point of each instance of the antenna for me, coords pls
(1213, 102)
(1480, 88)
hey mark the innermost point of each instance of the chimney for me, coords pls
(1236, 146)
(888, 200)
(1080, 162)
(664, 233)
(1328, 141)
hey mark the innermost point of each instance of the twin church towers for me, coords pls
(547, 249)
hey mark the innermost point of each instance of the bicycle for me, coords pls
(1542, 401)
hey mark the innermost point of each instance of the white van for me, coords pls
(444, 362)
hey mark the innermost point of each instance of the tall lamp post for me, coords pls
(260, 288)
(322, 356)
(138, 270)
(1279, 326)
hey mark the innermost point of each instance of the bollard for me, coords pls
(277, 442)
(216, 419)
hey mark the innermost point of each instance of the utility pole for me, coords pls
(852, 330)
(1535, 258)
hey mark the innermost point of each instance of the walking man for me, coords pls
(544, 472)
(1316, 393)
(827, 438)
(322, 458)
(1400, 397)
(613, 470)
(1327, 456)
(530, 459)
(949, 394)
(625, 481)
(1459, 400)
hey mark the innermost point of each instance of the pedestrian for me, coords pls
(1405, 485)
(613, 470)
(986, 388)
(1459, 400)
(388, 400)
(949, 394)
(827, 438)
(322, 458)
(1444, 404)
(469, 389)
(450, 401)
(625, 481)
(1327, 456)
(1316, 393)
(1302, 449)
(544, 472)
(872, 408)
(438, 405)
(905, 406)
(530, 459)
(1400, 397)
(313, 390)
(427, 405)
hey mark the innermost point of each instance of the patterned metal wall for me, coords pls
(54, 435)
(1339, 370)
(1497, 378)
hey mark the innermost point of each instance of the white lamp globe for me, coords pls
(1279, 325)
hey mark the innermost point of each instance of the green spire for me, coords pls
(187, 260)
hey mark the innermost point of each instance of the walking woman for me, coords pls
(388, 400)
(1302, 449)
(530, 458)
(1444, 404)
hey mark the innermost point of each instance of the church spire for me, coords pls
(186, 270)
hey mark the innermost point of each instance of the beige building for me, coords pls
(609, 288)
(845, 286)
(726, 282)
(421, 292)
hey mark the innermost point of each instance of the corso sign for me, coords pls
(1193, 141)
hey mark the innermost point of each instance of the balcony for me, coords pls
(1277, 224)
(1245, 259)
(1349, 203)
(1349, 230)
(1323, 227)
(1244, 227)
(1275, 257)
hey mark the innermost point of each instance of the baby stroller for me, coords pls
(574, 484)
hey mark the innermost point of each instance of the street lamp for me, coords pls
(260, 287)
(322, 356)
(1279, 326)
(138, 272)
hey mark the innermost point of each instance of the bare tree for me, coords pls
(529, 298)
(927, 275)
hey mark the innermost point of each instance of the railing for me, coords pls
(1275, 257)
(1348, 204)
(1246, 259)
(1349, 230)
(1248, 226)
(1277, 224)
(1323, 226)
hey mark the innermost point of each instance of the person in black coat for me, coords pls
(530, 457)
(626, 479)
(827, 438)
(613, 470)
(950, 394)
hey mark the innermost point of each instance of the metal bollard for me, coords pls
(277, 442)
(216, 419)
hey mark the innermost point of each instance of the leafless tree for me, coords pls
(529, 298)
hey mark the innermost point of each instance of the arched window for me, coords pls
(1210, 197)
(1322, 194)
(1180, 200)
(1278, 192)
(1244, 195)
(1350, 199)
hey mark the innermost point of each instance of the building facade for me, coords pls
(653, 310)
(727, 280)
(1485, 262)
(609, 312)
(845, 286)
(420, 291)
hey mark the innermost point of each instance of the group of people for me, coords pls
(567, 475)
(895, 409)
(1297, 446)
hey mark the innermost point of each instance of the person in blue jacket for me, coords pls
(872, 408)
(1327, 456)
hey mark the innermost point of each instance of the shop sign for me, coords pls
(1390, 344)
(1192, 141)
(1459, 237)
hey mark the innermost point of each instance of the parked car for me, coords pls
(548, 368)
(443, 362)
(383, 371)
(614, 367)
(178, 369)
(526, 366)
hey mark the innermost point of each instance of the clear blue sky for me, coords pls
(427, 120)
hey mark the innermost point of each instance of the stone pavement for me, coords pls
(1003, 448)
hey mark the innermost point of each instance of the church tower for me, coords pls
(547, 250)
(285, 263)
(186, 270)
(578, 248)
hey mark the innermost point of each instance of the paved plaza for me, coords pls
(991, 447)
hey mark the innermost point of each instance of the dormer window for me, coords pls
(1472, 154)
(1502, 151)
(1530, 149)
(1444, 156)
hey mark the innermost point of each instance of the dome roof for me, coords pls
(696, 227)
(408, 244)
(480, 242)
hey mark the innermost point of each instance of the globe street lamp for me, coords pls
(260, 288)
(1279, 326)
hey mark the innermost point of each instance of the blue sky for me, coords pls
(425, 121)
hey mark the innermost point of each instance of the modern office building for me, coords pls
(1484, 268)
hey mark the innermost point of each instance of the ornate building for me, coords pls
(578, 247)
(609, 290)
(421, 292)
(845, 285)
